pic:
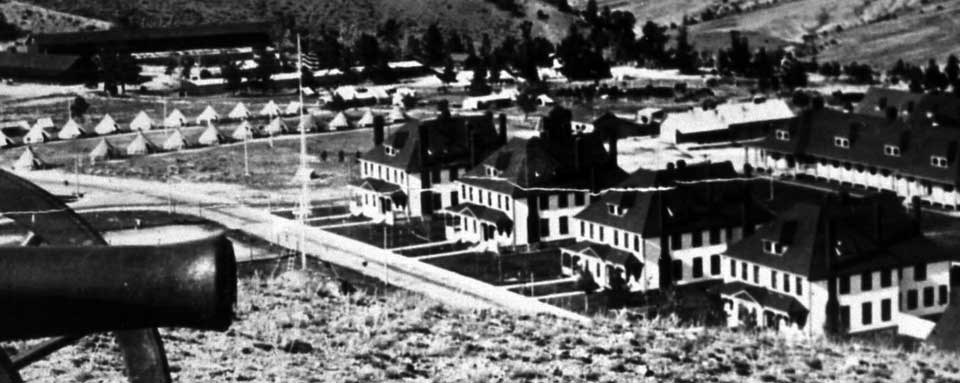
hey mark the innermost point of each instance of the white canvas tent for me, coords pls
(309, 123)
(141, 122)
(239, 112)
(36, 135)
(140, 146)
(175, 141)
(45, 122)
(104, 151)
(292, 108)
(106, 126)
(176, 119)
(271, 109)
(396, 115)
(367, 119)
(210, 137)
(243, 132)
(208, 115)
(339, 122)
(28, 161)
(72, 129)
(276, 126)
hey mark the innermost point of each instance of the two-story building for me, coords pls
(663, 227)
(412, 172)
(842, 266)
(867, 152)
(527, 191)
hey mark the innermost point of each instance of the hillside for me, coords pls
(38, 19)
(301, 330)
(350, 17)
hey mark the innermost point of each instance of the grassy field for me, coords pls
(298, 329)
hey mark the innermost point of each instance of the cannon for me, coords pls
(68, 283)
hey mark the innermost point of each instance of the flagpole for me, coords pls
(304, 174)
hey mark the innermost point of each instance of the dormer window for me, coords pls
(938, 161)
(616, 210)
(783, 135)
(774, 247)
(891, 150)
(390, 150)
(841, 142)
(492, 171)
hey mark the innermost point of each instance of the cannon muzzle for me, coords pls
(55, 291)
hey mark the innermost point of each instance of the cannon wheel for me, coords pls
(52, 222)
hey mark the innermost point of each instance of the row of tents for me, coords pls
(142, 122)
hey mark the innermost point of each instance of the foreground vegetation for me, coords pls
(299, 328)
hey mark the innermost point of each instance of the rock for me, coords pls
(298, 346)
(263, 346)
(557, 372)
(815, 364)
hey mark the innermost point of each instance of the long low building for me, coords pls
(180, 38)
(911, 159)
(46, 68)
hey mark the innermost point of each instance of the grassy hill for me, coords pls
(350, 17)
(300, 329)
(38, 19)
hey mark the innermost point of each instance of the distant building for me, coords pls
(411, 173)
(924, 108)
(503, 99)
(725, 122)
(842, 266)
(662, 228)
(89, 43)
(527, 191)
(909, 159)
(46, 68)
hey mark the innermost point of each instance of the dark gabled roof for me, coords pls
(685, 206)
(483, 213)
(36, 62)
(855, 239)
(763, 297)
(813, 133)
(376, 185)
(602, 251)
(448, 141)
(914, 107)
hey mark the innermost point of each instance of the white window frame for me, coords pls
(891, 150)
(938, 162)
(773, 247)
(783, 135)
(841, 142)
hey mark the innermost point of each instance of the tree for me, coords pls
(952, 70)
(367, 50)
(478, 84)
(449, 72)
(653, 43)
(267, 66)
(739, 53)
(590, 11)
(792, 73)
(186, 66)
(8, 31)
(684, 57)
(231, 73)
(307, 78)
(433, 49)
(933, 79)
(107, 69)
(527, 102)
(79, 107)
(129, 70)
(580, 60)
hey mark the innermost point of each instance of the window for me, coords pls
(799, 286)
(844, 284)
(733, 268)
(773, 279)
(920, 272)
(616, 210)
(938, 161)
(697, 267)
(773, 247)
(944, 295)
(786, 283)
(743, 271)
(454, 198)
(544, 227)
(756, 274)
(696, 238)
(912, 299)
(435, 176)
(601, 230)
(492, 171)
(583, 229)
(564, 228)
(928, 296)
(677, 270)
(866, 281)
(616, 238)
(490, 198)
(715, 236)
(390, 150)
(591, 231)
(841, 142)
(866, 313)
(845, 317)
(783, 135)
(891, 150)
(636, 243)
(562, 200)
(715, 264)
(885, 313)
(578, 199)
(676, 242)
(886, 278)
(544, 202)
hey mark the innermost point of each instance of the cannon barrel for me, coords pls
(55, 291)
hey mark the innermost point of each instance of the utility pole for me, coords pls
(303, 171)
(246, 158)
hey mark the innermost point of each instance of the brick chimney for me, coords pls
(378, 131)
